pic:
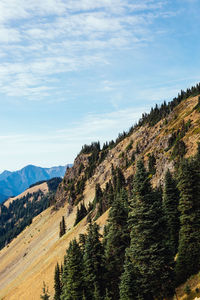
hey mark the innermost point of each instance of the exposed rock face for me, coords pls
(72, 173)
(145, 141)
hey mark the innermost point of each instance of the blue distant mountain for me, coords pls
(14, 183)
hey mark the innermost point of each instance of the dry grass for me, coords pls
(43, 187)
(30, 258)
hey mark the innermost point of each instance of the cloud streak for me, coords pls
(41, 40)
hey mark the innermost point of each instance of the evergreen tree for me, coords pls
(45, 295)
(152, 163)
(120, 180)
(149, 252)
(80, 214)
(61, 269)
(73, 279)
(82, 240)
(188, 261)
(128, 289)
(116, 241)
(64, 274)
(96, 293)
(57, 283)
(170, 204)
(107, 297)
(93, 262)
(98, 200)
(98, 193)
(109, 192)
(62, 227)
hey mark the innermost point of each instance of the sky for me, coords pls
(77, 71)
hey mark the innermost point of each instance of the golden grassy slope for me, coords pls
(30, 259)
(43, 187)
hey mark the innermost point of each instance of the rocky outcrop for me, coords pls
(73, 173)
(144, 141)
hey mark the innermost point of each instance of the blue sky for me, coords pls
(77, 71)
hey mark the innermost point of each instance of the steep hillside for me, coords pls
(30, 259)
(17, 212)
(14, 183)
(43, 187)
(161, 141)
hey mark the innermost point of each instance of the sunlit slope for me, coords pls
(30, 259)
(43, 187)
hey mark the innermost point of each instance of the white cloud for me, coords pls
(41, 40)
(87, 129)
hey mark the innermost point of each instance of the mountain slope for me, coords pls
(32, 256)
(16, 213)
(14, 183)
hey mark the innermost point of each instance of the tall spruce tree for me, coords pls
(188, 261)
(93, 262)
(128, 289)
(151, 256)
(80, 214)
(57, 283)
(120, 180)
(170, 204)
(62, 227)
(73, 279)
(116, 241)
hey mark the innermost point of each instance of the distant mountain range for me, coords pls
(14, 183)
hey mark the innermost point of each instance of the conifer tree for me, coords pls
(151, 256)
(109, 192)
(188, 261)
(45, 295)
(57, 283)
(107, 297)
(64, 274)
(60, 232)
(80, 214)
(96, 293)
(152, 163)
(116, 241)
(98, 193)
(128, 288)
(82, 240)
(62, 227)
(93, 262)
(170, 203)
(61, 269)
(73, 284)
(120, 180)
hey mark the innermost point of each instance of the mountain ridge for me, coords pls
(14, 183)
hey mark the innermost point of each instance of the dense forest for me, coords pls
(19, 213)
(136, 257)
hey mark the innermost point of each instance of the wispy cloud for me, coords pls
(91, 128)
(42, 39)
